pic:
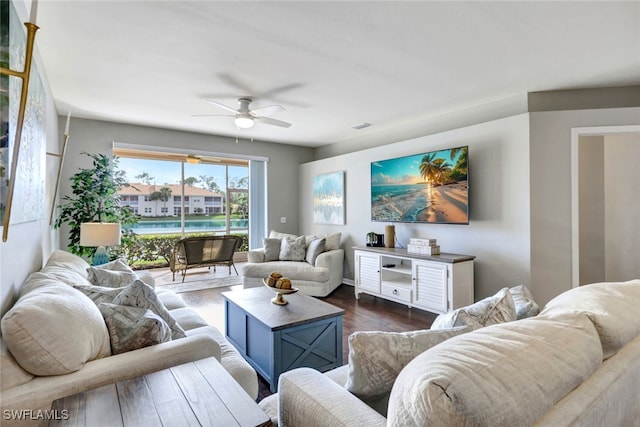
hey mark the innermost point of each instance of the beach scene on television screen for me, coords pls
(429, 187)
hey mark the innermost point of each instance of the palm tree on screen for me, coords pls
(428, 168)
(461, 164)
(441, 168)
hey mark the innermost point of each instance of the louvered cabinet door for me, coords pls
(367, 273)
(430, 286)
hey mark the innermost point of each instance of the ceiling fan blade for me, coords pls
(213, 115)
(267, 111)
(222, 105)
(232, 81)
(278, 90)
(273, 122)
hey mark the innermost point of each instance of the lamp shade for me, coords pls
(99, 234)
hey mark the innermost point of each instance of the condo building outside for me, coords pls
(166, 200)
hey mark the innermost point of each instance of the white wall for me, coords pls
(94, 136)
(550, 144)
(498, 232)
(622, 206)
(29, 244)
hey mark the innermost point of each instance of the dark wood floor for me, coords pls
(366, 314)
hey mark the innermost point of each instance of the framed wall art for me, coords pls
(328, 198)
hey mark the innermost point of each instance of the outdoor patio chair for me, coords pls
(203, 251)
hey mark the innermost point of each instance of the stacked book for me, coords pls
(423, 246)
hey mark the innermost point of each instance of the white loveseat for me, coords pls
(575, 364)
(62, 346)
(317, 278)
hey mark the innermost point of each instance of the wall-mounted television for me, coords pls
(431, 187)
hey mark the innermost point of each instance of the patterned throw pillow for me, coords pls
(292, 249)
(523, 300)
(99, 294)
(376, 358)
(139, 294)
(498, 308)
(271, 248)
(131, 328)
(316, 247)
(115, 274)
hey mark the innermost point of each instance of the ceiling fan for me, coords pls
(245, 118)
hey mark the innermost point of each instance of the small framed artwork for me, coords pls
(328, 198)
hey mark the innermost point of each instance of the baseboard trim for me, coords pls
(349, 282)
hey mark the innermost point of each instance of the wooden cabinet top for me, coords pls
(401, 252)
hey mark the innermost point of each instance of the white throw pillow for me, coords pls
(498, 308)
(332, 241)
(292, 249)
(508, 374)
(376, 358)
(68, 261)
(613, 307)
(54, 330)
(277, 235)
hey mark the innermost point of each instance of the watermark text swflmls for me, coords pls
(30, 414)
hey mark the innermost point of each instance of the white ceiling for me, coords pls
(331, 64)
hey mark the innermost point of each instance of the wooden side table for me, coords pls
(200, 393)
(274, 338)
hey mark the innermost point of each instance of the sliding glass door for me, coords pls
(187, 197)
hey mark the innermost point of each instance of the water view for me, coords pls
(190, 226)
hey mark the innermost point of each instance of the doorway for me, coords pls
(605, 204)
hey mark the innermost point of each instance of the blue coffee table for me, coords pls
(274, 338)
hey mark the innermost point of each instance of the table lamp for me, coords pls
(100, 234)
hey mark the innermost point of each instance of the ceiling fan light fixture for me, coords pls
(244, 122)
(193, 160)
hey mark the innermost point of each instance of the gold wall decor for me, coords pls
(24, 75)
(60, 157)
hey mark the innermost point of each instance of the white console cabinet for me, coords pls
(438, 283)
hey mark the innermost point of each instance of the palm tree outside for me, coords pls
(161, 195)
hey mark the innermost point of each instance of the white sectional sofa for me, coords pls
(55, 342)
(316, 278)
(575, 364)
